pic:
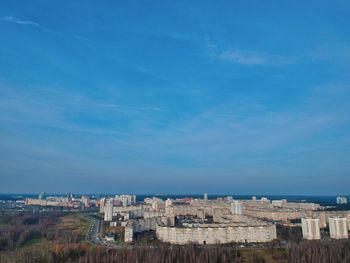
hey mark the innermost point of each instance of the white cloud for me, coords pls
(243, 57)
(246, 57)
(18, 21)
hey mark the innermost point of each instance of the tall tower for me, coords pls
(338, 228)
(168, 202)
(341, 200)
(205, 197)
(170, 215)
(236, 208)
(102, 203)
(311, 228)
(85, 200)
(108, 216)
(42, 195)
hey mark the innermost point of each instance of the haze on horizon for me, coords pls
(239, 97)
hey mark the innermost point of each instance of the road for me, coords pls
(93, 234)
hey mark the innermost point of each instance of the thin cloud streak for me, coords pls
(18, 21)
(246, 57)
(243, 57)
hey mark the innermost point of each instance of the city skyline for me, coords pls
(135, 97)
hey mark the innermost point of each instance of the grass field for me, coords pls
(75, 223)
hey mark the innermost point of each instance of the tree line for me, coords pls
(336, 251)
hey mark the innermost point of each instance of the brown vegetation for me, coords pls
(63, 237)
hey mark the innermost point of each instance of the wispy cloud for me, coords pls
(243, 57)
(18, 21)
(246, 57)
(132, 108)
(23, 109)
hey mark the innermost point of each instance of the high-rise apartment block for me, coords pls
(102, 204)
(170, 215)
(168, 202)
(108, 216)
(236, 208)
(42, 196)
(341, 200)
(85, 200)
(338, 228)
(311, 228)
(125, 200)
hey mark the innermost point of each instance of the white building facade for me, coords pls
(338, 228)
(236, 208)
(108, 211)
(311, 228)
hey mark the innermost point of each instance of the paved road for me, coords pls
(93, 234)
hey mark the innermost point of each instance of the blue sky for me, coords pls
(238, 97)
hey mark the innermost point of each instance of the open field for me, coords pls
(32, 230)
(74, 223)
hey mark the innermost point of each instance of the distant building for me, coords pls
(341, 200)
(155, 205)
(278, 203)
(42, 196)
(125, 200)
(229, 198)
(338, 228)
(168, 202)
(311, 228)
(264, 200)
(108, 216)
(70, 196)
(236, 208)
(129, 232)
(205, 197)
(85, 200)
(102, 203)
(170, 215)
